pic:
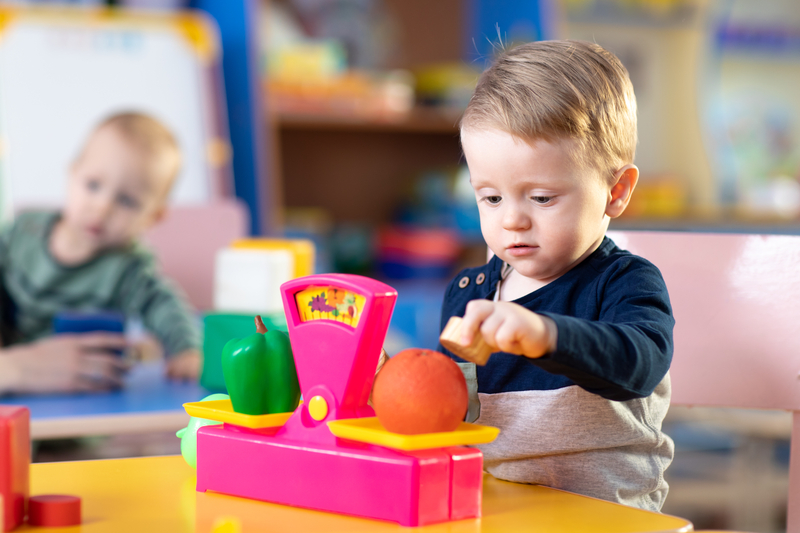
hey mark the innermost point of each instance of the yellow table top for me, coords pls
(154, 494)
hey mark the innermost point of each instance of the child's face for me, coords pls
(540, 211)
(112, 195)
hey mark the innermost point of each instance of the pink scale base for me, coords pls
(413, 488)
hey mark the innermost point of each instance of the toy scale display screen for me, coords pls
(329, 303)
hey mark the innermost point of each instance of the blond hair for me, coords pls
(154, 140)
(554, 90)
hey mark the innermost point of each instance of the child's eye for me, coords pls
(128, 201)
(93, 185)
(542, 199)
(493, 200)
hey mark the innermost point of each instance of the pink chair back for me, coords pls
(736, 301)
(187, 240)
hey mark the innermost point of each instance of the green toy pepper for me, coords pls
(260, 374)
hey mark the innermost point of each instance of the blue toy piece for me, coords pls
(90, 322)
(188, 435)
(81, 322)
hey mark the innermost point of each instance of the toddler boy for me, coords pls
(87, 258)
(579, 387)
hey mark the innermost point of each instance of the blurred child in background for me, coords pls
(87, 258)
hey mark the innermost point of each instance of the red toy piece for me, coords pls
(54, 510)
(15, 459)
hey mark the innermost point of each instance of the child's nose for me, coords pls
(515, 218)
(102, 206)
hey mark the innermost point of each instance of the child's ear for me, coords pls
(625, 181)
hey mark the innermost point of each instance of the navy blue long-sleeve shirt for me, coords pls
(614, 327)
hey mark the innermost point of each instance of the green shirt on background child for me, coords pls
(37, 287)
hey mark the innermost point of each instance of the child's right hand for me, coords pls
(509, 327)
(64, 363)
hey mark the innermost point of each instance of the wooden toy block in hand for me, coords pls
(477, 352)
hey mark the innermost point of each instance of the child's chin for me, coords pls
(528, 268)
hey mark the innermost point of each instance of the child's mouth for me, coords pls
(520, 249)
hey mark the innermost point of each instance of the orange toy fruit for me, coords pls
(420, 391)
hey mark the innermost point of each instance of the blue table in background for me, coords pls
(148, 403)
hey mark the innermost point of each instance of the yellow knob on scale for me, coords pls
(318, 408)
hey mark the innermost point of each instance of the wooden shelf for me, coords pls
(358, 169)
(419, 120)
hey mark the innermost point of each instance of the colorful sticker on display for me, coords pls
(329, 303)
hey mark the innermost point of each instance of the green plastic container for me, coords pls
(218, 329)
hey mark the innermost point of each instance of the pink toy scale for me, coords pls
(337, 324)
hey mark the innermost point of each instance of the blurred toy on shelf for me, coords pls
(329, 56)
(364, 28)
(446, 85)
(632, 11)
(757, 154)
(373, 95)
(433, 225)
(405, 252)
(751, 111)
(658, 197)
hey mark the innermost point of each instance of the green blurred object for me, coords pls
(218, 329)
(188, 435)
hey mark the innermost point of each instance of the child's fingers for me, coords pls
(477, 311)
(104, 371)
(491, 328)
(99, 341)
(184, 367)
(506, 336)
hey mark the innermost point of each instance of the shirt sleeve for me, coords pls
(164, 312)
(626, 352)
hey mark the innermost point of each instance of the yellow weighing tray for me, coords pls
(371, 431)
(222, 411)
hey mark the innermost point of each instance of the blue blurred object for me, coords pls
(90, 322)
(238, 30)
(406, 270)
(417, 313)
(515, 22)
